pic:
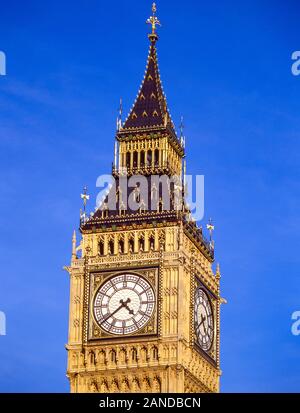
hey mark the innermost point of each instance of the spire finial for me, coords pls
(210, 228)
(85, 197)
(119, 118)
(153, 20)
(182, 138)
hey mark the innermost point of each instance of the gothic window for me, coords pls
(135, 159)
(128, 156)
(121, 246)
(111, 247)
(155, 353)
(156, 157)
(92, 357)
(142, 159)
(102, 357)
(151, 242)
(144, 354)
(131, 245)
(141, 244)
(122, 355)
(113, 356)
(149, 157)
(101, 247)
(134, 355)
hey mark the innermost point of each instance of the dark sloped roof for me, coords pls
(150, 107)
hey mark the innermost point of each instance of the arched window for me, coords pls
(128, 158)
(156, 157)
(113, 356)
(142, 159)
(111, 247)
(92, 357)
(135, 159)
(149, 158)
(134, 354)
(131, 245)
(151, 242)
(155, 353)
(121, 246)
(141, 244)
(101, 247)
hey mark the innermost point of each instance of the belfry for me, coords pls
(144, 299)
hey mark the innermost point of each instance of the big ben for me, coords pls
(144, 299)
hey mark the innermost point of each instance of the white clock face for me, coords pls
(124, 304)
(204, 320)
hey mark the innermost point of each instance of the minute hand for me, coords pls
(113, 313)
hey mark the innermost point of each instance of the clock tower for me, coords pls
(144, 300)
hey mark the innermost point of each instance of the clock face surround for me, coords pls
(204, 320)
(124, 304)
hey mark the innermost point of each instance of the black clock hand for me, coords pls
(114, 312)
(126, 306)
(129, 309)
(203, 318)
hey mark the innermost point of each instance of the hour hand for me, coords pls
(203, 318)
(125, 304)
(129, 310)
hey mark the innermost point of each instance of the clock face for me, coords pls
(124, 304)
(204, 320)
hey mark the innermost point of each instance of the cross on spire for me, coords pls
(153, 20)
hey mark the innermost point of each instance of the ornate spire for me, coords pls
(150, 108)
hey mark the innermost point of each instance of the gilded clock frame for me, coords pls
(211, 354)
(98, 278)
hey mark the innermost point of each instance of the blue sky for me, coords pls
(226, 66)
